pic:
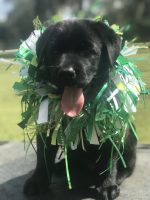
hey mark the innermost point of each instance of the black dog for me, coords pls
(77, 56)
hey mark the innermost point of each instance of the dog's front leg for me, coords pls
(40, 181)
(108, 189)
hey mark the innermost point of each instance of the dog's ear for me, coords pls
(42, 54)
(40, 48)
(42, 45)
(111, 42)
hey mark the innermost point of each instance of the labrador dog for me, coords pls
(76, 56)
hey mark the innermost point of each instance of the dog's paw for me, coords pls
(35, 185)
(108, 193)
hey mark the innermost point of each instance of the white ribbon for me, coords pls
(43, 112)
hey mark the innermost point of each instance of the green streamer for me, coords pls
(97, 99)
(67, 168)
(133, 129)
(117, 149)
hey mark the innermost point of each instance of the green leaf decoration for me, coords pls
(20, 87)
(116, 28)
(37, 23)
(98, 18)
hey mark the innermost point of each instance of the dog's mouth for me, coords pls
(72, 101)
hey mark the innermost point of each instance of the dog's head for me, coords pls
(76, 57)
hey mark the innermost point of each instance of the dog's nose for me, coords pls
(67, 74)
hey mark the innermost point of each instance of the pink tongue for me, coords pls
(72, 101)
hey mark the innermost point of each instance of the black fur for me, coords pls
(80, 53)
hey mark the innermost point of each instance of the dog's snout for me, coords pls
(67, 74)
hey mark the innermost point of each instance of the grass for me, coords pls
(142, 117)
(10, 104)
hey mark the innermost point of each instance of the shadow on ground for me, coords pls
(12, 189)
(15, 169)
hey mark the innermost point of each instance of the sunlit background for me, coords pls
(16, 18)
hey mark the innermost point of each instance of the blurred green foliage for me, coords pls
(19, 24)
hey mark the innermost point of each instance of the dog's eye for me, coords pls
(82, 45)
(55, 52)
(93, 51)
(88, 52)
